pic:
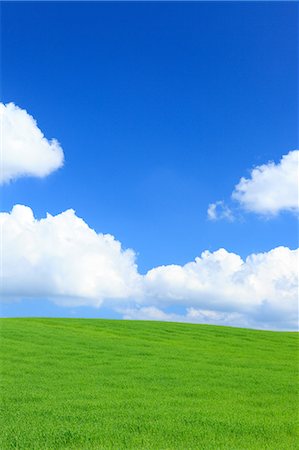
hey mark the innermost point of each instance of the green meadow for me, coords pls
(108, 384)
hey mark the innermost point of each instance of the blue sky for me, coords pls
(160, 109)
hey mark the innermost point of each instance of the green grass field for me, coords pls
(103, 384)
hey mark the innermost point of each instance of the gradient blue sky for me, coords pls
(160, 109)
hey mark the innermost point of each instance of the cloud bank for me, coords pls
(24, 149)
(62, 259)
(262, 290)
(192, 315)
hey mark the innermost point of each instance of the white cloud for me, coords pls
(149, 313)
(62, 259)
(205, 316)
(191, 315)
(271, 188)
(219, 210)
(263, 288)
(24, 149)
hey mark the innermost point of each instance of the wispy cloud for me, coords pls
(219, 210)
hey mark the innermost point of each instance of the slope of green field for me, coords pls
(103, 384)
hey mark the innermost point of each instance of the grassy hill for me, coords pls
(103, 384)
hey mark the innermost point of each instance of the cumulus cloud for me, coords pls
(263, 288)
(271, 188)
(219, 210)
(62, 259)
(24, 149)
